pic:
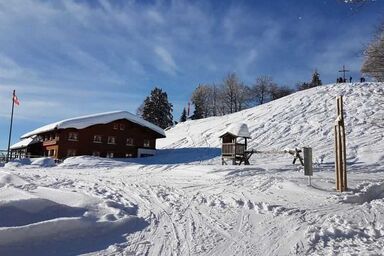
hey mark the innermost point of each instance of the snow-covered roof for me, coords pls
(24, 143)
(101, 118)
(238, 130)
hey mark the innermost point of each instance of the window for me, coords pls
(97, 139)
(147, 143)
(110, 154)
(130, 142)
(122, 127)
(96, 153)
(73, 136)
(71, 152)
(115, 126)
(128, 155)
(111, 140)
(51, 152)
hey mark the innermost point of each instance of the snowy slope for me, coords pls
(304, 118)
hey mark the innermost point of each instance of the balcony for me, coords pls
(50, 142)
(232, 149)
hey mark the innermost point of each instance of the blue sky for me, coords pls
(69, 58)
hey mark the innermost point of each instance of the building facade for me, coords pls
(118, 135)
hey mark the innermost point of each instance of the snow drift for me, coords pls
(39, 220)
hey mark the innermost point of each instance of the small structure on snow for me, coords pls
(234, 143)
(234, 146)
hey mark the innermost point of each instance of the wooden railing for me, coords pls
(50, 142)
(232, 149)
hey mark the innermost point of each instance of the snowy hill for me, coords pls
(304, 118)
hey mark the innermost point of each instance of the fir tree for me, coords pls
(183, 117)
(315, 82)
(200, 101)
(157, 109)
(315, 79)
(198, 112)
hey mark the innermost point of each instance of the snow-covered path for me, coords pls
(231, 210)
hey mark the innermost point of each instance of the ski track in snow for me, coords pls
(190, 204)
(195, 210)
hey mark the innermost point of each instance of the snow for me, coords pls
(303, 119)
(18, 162)
(24, 143)
(238, 130)
(31, 162)
(32, 215)
(101, 118)
(43, 162)
(184, 202)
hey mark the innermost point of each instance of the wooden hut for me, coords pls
(234, 143)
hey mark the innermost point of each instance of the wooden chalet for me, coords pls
(116, 134)
(234, 143)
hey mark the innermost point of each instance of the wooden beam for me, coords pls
(340, 148)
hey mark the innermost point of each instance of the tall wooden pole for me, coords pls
(10, 127)
(340, 148)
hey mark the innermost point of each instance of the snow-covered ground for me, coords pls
(184, 202)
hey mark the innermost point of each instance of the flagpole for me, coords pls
(10, 127)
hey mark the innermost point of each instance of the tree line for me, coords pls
(232, 95)
(228, 97)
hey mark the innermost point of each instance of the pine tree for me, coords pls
(200, 99)
(183, 117)
(157, 109)
(198, 113)
(315, 82)
(315, 79)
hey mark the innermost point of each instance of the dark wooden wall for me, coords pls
(86, 146)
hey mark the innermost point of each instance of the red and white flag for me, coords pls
(15, 99)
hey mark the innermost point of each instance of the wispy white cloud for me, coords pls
(9, 69)
(168, 62)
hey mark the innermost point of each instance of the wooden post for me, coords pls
(308, 169)
(340, 148)
(9, 155)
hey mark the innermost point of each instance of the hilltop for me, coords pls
(305, 118)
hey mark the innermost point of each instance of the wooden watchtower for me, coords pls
(234, 143)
